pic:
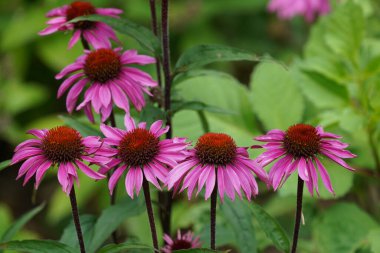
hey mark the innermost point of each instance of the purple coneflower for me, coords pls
(216, 161)
(140, 151)
(301, 147)
(111, 81)
(310, 9)
(219, 165)
(145, 157)
(95, 33)
(182, 241)
(63, 147)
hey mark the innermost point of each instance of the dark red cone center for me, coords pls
(302, 141)
(78, 9)
(181, 244)
(216, 148)
(62, 144)
(102, 65)
(138, 147)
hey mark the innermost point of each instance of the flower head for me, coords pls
(301, 147)
(95, 33)
(310, 9)
(139, 151)
(182, 241)
(217, 160)
(111, 81)
(63, 147)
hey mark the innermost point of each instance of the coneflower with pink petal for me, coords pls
(139, 151)
(181, 241)
(217, 164)
(66, 149)
(110, 79)
(96, 34)
(300, 148)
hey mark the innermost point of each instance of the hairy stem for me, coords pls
(74, 209)
(149, 209)
(298, 214)
(214, 197)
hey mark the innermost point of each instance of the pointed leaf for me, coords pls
(37, 246)
(126, 247)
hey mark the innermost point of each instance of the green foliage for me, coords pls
(237, 214)
(17, 225)
(37, 246)
(276, 99)
(4, 164)
(205, 54)
(69, 236)
(271, 228)
(126, 247)
(84, 128)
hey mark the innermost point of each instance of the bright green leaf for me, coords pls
(276, 98)
(271, 228)
(238, 215)
(205, 54)
(84, 128)
(20, 223)
(37, 246)
(340, 228)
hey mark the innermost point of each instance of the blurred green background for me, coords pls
(332, 78)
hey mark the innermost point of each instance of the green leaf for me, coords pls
(271, 228)
(205, 54)
(238, 214)
(140, 33)
(341, 228)
(195, 251)
(84, 128)
(4, 164)
(126, 247)
(69, 235)
(112, 217)
(197, 106)
(20, 223)
(182, 77)
(276, 98)
(151, 113)
(37, 246)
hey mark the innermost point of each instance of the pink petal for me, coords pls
(115, 177)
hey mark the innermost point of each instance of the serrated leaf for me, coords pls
(238, 215)
(271, 228)
(4, 164)
(37, 246)
(84, 128)
(20, 223)
(205, 54)
(112, 217)
(126, 247)
(140, 33)
(276, 98)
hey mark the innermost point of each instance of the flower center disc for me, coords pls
(214, 148)
(102, 65)
(138, 147)
(62, 144)
(78, 9)
(302, 141)
(181, 244)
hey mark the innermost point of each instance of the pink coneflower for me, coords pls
(63, 147)
(301, 147)
(139, 151)
(217, 160)
(185, 241)
(310, 9)
(95, 33)
(111, 81)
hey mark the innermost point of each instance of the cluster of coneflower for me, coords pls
(137, 152)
